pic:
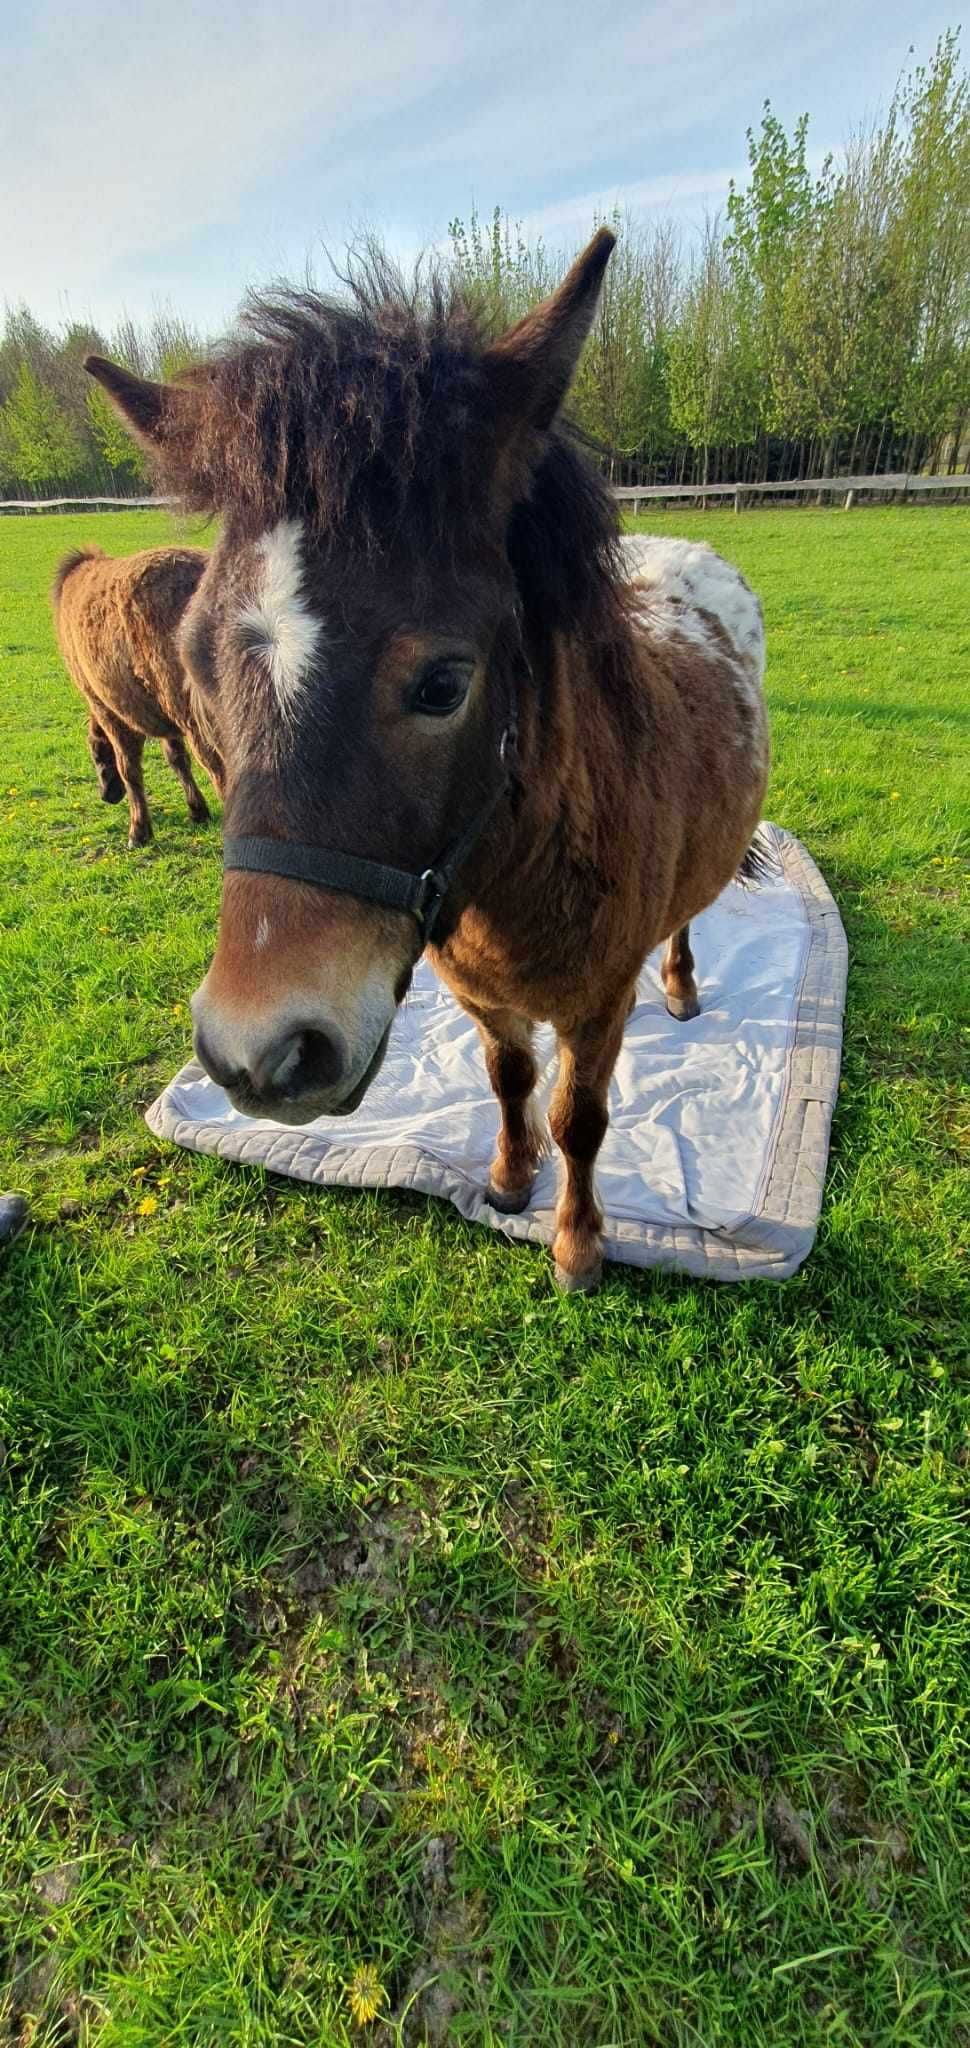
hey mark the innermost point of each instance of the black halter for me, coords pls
(397, 888)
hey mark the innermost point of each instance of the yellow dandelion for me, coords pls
(894, 796)
(148, 1206)
(365, 1994)
(936, 862)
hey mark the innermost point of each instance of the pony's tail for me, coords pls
(760, 862)
(67, 565)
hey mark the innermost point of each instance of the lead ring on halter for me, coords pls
(370, 880)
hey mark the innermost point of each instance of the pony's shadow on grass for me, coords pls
(869, 711)
(899, 970)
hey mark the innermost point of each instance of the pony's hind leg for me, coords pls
(129, 747)
(507, 1040)
(578, 1119)
(111, 789)
(175, 754)
(677, 974)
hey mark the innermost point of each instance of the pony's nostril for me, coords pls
(218, 1070)
(281, 1064)
(305, 1063)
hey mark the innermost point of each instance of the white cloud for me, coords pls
(672, 194)
(142, 125)
(155, 147)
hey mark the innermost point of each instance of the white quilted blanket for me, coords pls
(715, 1157)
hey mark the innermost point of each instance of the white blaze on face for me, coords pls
(279, 622)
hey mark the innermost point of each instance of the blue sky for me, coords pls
(172, 154)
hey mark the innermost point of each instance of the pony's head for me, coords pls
(401, 513)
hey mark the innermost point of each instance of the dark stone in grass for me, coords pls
(13, 1217)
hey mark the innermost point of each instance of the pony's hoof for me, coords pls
(579, 1283)
(137, 839)
(683, 1008)
(508, 1201)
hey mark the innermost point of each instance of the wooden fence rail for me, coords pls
(846, 487)
(81, 504)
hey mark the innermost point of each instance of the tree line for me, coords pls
(822, 326)
(58, 431)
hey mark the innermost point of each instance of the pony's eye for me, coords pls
(441, 689)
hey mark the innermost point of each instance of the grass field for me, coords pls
(385, 1634)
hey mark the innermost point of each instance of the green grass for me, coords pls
(596, 1671)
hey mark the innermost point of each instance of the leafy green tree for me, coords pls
(41, 446)
(829, 358)
(498, 271)
(173, 345)
(930, 249)
(765, 221)
(713, 382)
(24, 340)
(114, 445)
(620, 395)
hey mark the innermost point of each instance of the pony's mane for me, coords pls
(369, 416)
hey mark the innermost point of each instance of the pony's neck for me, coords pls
(576, 756)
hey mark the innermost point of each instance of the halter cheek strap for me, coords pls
(395, 888)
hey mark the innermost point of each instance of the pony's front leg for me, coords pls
(677, 974)
(507, 1041)
(578, 1118)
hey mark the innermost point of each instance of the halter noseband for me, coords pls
(396, 888)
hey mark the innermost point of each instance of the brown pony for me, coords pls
(451, 704)
(116, 624)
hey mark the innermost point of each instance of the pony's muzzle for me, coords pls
(293, 1017)
(292, 1065)
(301, 1066)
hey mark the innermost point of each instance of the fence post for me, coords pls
(848, 501)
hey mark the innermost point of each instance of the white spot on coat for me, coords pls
(286, 634)
(681, 586)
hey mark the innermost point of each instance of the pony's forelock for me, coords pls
(368, 417)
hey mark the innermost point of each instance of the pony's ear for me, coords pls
(148, 410)
(531, 367)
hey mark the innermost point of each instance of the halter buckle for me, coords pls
(432, 889)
